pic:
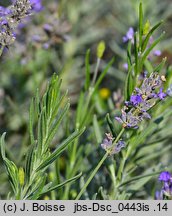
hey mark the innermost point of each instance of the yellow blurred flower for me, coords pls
(104, 93)
(46, 197)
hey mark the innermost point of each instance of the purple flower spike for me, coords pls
(136, 99)
(164, 176)
(161, 94)
(129, 35)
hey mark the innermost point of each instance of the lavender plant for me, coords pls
(141, 97)
(47, 114)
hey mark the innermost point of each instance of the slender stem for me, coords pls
(1, 50)
(118, 137)
(92, 175)
(98, 166)
(121, 167)
(96, 72)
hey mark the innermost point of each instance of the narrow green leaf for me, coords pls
(129, 84)
(11, 168)
(136, 54)
(103, 74)
(111, 125)
(139, 138)
(36, 192)
(31, 122)
(129, 61)
(161, 65)
(79, 112)
(62, 184)
(56, 108)
(29, 162)
(2, 144)
(12, 174)
(147, 52)
(140, 25)
(148, 66)
(139, 177)
(138, 184)
(60, 149)
(146, 40)
(97, 129)
(55, 127)
(87, 65)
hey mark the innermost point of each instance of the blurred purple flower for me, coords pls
(36, 5)
(169, 91)
(159, 195)
(165, 176)
(125, 66)
(4, 11)
(157, 52)
(166, 190)
(161, 95)
(46, 45)
(129, 35)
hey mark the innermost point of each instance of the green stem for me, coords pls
(121, 167)
(96, 72)
(92, 176)
(98, 166)
(1, 50)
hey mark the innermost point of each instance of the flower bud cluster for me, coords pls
(107, 145)
(141, 100)
(12, 16)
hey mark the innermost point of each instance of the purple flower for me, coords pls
(125, 66)
(141, 100)
(167, 189)
(128, 120)
(4, 11)
(136, 99)
(159, 195)
(157, 52)
(161, 94)
(129, 35)
(164, 176)
(107, 144)
(120, 144)
(36, 5)
(48, 28)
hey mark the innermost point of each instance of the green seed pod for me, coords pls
(21, 176)
(100, 49)
(146, 28)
